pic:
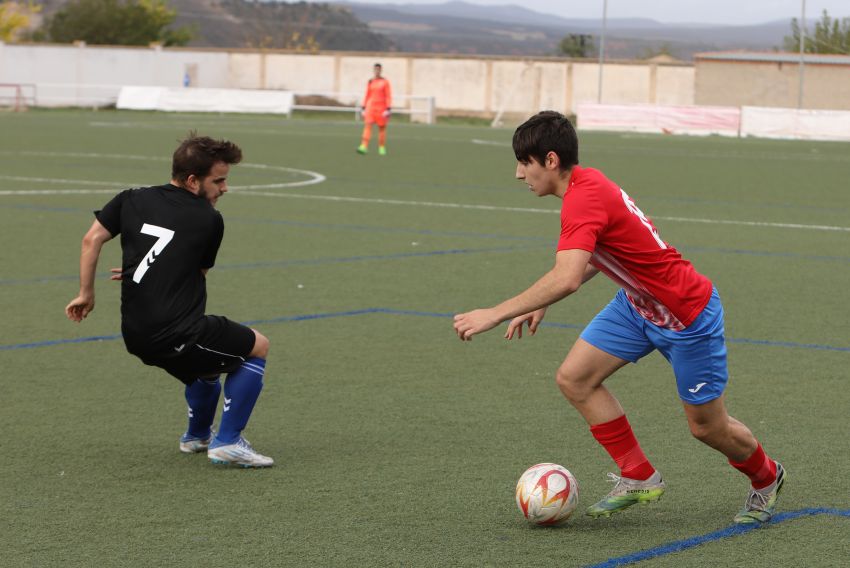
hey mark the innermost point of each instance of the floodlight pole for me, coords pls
(602, 49)
(802, 50)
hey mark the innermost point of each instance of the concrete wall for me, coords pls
(83, 64)
(771, 84)
(460, 85)
(673, 85)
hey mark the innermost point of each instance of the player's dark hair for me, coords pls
(196, 156)
(545, 132)
(378, 65)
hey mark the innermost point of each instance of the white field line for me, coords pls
(481, 142)
(534, 210)
(316, 178)
(756, 224)
(54, 191)
(71, 181)
(379, 201)
(469, 206)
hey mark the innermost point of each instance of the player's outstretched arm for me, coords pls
(565, 278)
(83, 304)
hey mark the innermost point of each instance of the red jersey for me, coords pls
(378, 95)
(599, 217)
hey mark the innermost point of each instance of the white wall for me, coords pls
(109, 66)
(475, 85)
(454, 83)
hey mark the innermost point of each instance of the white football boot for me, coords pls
(192, 445)
(239, 453)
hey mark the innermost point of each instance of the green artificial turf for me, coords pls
(395, 443)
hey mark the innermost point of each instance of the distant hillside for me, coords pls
(237, 23)
(459, 27)
(452, 27)
(240, 23)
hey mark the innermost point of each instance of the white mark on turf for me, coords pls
(490, 143)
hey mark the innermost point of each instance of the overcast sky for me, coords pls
(696, 11)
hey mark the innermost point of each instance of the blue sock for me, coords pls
(241, 390)
(202, 398)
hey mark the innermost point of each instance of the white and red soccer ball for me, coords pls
(547, 494)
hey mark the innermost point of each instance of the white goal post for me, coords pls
(420, 108)
(506, 100)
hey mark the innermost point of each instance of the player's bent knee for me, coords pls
(571, 385)
(705, 432)
(261, 346)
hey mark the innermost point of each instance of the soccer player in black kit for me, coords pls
(170, 235)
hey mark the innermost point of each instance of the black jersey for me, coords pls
(168, 235)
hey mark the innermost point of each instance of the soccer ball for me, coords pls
(547, 494)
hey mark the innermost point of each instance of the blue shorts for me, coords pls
(697, 353)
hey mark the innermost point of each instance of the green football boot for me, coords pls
(626, 493)
(382, 150)
(362, 149)
(762, 502)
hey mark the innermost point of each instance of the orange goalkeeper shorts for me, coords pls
(375, 116)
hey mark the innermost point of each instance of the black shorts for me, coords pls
(221, 347)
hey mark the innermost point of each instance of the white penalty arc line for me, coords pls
(313, 177)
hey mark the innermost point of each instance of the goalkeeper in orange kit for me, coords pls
(376, 109)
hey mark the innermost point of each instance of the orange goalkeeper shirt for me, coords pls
(378, 95)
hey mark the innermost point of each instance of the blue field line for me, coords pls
(697, 200)
(449, 315)
(769, 343)
(415, 313)
(282, 319)
(367, 257)
(401, 230)
(48, 208)
(298, 262)
(395, 312)
(396, 256)
(428, 232)
(331, 226)
(308, 317)
(59, 342)
(734, 530)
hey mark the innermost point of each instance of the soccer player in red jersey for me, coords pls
(663, 304)
(376, 109)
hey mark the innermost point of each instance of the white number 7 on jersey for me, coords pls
(164, 237)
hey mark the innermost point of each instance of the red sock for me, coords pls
(619, 441)
(758, 467)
